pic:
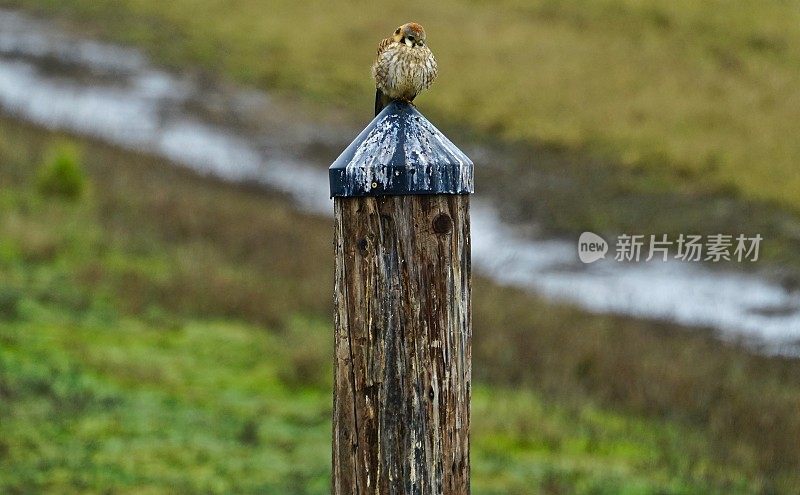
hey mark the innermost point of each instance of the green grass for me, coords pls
(132, 408)
(706, 90)
(168, 332)
(127, 407)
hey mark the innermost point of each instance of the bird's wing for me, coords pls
(433, 68)
(379, 74)
(379, 69)
(383, 45)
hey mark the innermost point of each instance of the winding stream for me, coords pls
(59, 81)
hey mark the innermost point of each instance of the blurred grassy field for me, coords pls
(168, 332)
(164, 331)
(123, 406)
(707, 90)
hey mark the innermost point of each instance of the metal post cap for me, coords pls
(401, 152)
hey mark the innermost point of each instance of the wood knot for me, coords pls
(363, 246)
(442, 224)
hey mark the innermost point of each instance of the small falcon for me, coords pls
(404, 66)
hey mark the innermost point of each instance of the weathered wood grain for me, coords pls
(403, 356)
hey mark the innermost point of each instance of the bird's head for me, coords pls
(411, 34)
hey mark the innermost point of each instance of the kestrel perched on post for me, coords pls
(404, 66)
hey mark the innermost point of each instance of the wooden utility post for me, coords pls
(403, 333)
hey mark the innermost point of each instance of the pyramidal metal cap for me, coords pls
(401, 152)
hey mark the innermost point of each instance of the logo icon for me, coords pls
(591, 247)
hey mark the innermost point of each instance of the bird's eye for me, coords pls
(398, 31)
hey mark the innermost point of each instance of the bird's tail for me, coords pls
(381, 100)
